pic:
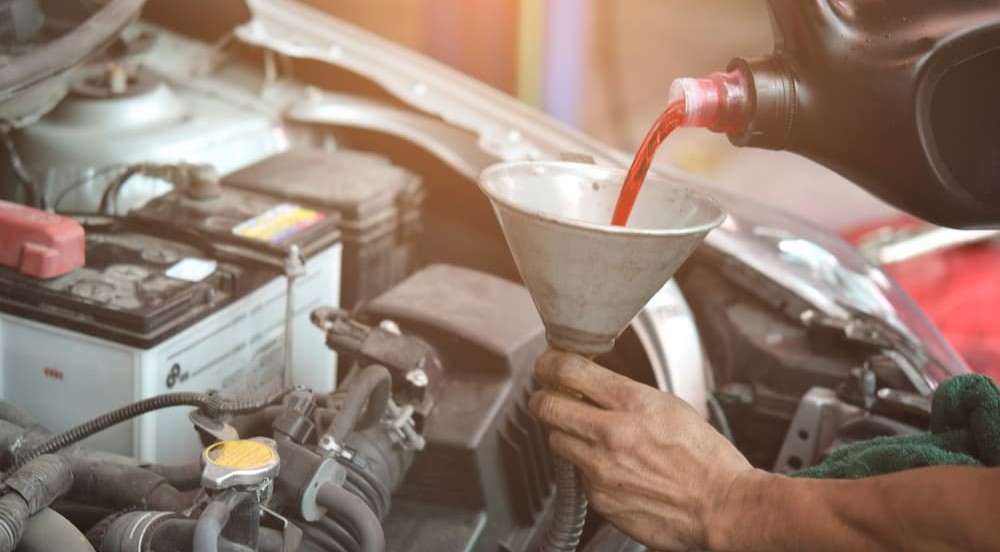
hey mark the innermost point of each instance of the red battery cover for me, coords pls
(38, 243)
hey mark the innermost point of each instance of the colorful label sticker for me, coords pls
(278, 223)
(240, 455)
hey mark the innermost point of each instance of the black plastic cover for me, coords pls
(241, 225)
(484, 481)
(378, 202)
(130, 290)
(365, 188)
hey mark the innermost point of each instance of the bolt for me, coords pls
(116, 78)
(417, 377)
(328, 444)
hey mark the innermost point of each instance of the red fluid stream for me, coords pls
(664, 125)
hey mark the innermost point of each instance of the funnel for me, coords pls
(588, 278)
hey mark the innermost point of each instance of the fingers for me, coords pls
(569, 447)
(568, 415)
(604, 387)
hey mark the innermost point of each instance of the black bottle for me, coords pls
(900, 96)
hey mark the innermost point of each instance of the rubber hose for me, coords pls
(364, 489)
(323, 540)
(32, 488)
(570, 510)
(373, 388)
(166, 532)
(256, 423)
(97, 532)
(355, 513)
(100, 481)
(18, 417)
(213, 405)
(213, 519)
(47, 531)
(334, 530)
(13, 517)
(337, 532)
(181, 476)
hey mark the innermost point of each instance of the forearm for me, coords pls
(940, 509)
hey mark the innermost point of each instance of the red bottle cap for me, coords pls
(38, 243)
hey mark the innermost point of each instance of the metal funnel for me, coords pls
(589, 279)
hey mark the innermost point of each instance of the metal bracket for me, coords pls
(817, 419)
(291, 535)
(403, 431)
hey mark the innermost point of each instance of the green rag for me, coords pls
(965, 431)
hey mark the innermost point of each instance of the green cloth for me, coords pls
(965, 431)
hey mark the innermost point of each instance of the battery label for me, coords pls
(278, 223)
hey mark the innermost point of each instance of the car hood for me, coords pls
(844, 289)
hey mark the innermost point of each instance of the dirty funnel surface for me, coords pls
(588, 278)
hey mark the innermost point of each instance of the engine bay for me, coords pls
(298, 326)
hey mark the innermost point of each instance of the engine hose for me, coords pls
(570, 510)
(97, 532)
(181, 476)
(31, 488)
(338, 533)
(213, 519)
(213, 405)
(47, 531)
(353, 511)
(372, 387)
(18, 417)
(369, 493)
(150, 531)
(324, 540)
(101, 481)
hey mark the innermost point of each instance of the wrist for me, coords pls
(739, 519)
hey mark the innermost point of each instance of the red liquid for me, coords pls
(664, 125)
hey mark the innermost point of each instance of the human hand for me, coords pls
(649, 463)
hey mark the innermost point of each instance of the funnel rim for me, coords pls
(591, 226)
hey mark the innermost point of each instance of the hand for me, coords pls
(649, 463)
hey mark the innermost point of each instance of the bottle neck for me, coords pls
(754, 102)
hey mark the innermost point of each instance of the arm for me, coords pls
(661, 474)
(940, 508)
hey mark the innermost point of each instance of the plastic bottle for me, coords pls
(900, 96)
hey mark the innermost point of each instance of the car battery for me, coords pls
(378, 202)
(146, 315)
(271, 234)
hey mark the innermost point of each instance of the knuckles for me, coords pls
(559, 367)
(620, 437)
(543, 405)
